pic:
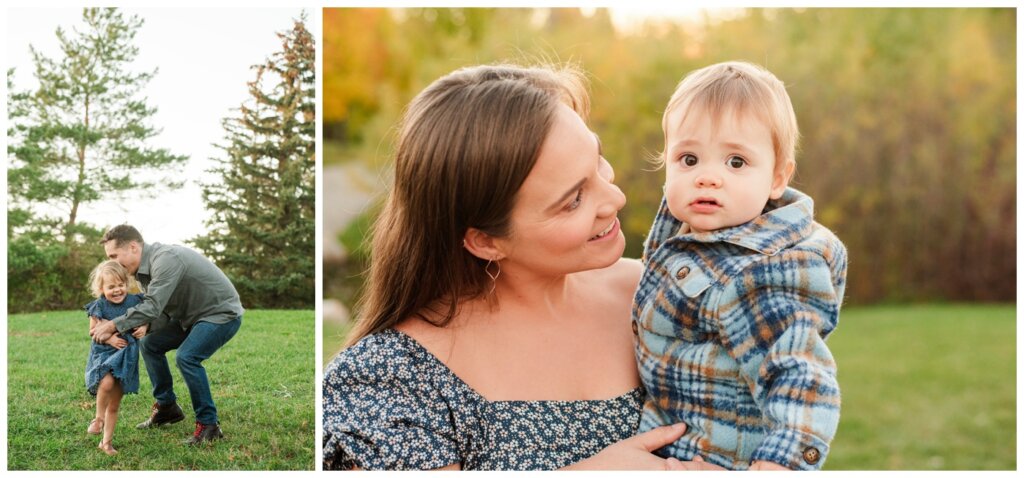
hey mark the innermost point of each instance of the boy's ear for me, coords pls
(781, 179)
(482, 245)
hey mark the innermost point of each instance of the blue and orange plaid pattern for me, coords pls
(731, 327)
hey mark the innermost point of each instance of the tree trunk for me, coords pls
(76, 197)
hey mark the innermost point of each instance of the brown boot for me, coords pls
(162, 415)
(204, 433)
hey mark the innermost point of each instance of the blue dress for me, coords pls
(103, 358)
(389, 404)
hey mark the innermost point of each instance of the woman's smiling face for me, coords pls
(565, 216)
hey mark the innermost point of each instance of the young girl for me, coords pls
(113, 368)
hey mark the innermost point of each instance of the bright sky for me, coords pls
(632, 16)
(204, 58)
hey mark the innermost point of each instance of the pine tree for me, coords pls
(82, 134)
(79, 137)
(262, 228)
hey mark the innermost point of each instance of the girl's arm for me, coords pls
(140, 331)
(117, 342)
(92, 324)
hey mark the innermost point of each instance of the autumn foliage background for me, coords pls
(907, 116)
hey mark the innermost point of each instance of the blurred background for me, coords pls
(908, 123)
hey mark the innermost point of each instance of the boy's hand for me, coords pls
(117, 342)
(140, 331)
(767, 466)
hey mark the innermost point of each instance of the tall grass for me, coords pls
(262, 382)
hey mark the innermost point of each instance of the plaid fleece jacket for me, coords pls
(731, 327)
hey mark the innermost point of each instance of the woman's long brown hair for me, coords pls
(466, 144)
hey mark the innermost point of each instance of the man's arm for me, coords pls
(166, 271)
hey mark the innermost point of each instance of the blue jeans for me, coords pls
(194, 346)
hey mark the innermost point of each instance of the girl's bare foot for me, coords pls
(95, 426)
(108, 448)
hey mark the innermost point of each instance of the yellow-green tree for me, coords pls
(907, 116)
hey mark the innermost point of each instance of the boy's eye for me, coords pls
(689, 160)
(736, 162)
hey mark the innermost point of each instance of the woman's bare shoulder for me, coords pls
(427, 334)
(438, 340)
(615, 283)
(622, 276)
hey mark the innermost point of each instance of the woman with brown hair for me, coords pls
(494, 328)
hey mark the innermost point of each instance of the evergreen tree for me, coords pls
(81, 136)
(262, 228)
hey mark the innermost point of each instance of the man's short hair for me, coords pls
(121, 235)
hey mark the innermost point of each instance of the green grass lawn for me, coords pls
(929, 387)
(262, 382)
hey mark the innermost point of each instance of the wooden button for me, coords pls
(682, 273)
(811, 455)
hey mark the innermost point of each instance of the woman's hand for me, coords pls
(697, 464)
(635, 453)
(140, 331)
(117, 342)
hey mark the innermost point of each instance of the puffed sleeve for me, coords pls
(781, 311)
(93, 309)
(380, 414)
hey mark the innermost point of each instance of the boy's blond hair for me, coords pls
(737, 86)
(108, 268)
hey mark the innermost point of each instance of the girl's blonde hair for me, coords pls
(108, 268)
(737, 86)
(465, 146)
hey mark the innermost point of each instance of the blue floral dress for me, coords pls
(103, 358)
(389, 404)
